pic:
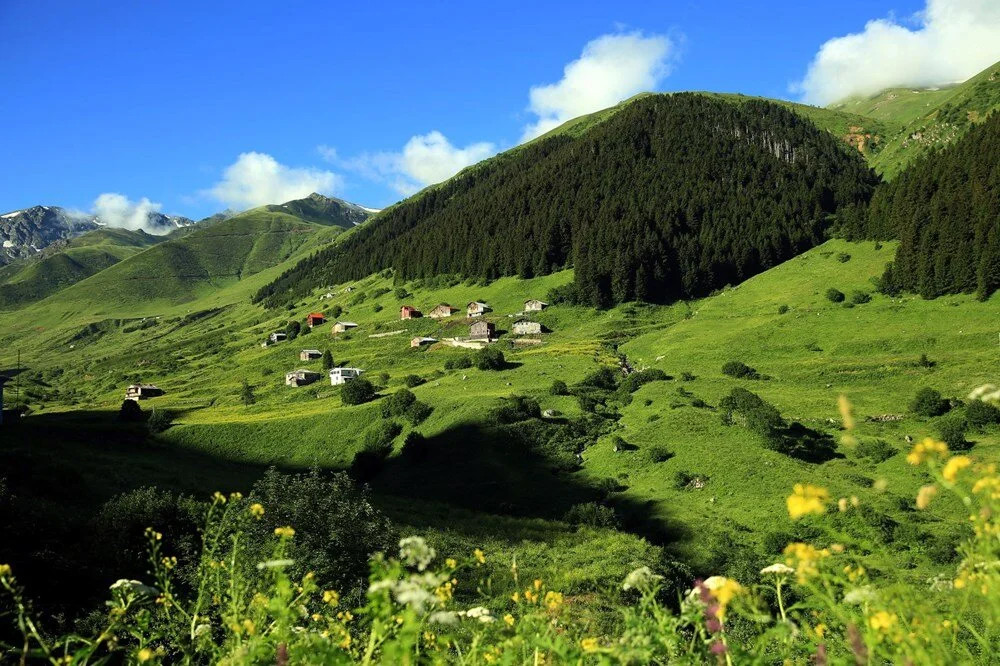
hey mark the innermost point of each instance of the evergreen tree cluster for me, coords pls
(945, 211)
(671, 197)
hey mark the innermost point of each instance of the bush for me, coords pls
(605, 378)
(397, 403)
(418, 412)
(514, 410)
(929, 402)
(952, 430)
(834, 295)
(490, 358)
(739, 370)
(924, 362)
(981, 414)
(559, 388)
(687, 376)
(634, 381)
(751, 411)
(401, 293)
(357, 391)
(380, 435)
(684, 479)
(292, 329)
(336, 311)
(782, 309)
(412, 381)
(415, 447)
(377, 307)
(327, 360)
(876, 450)
(369, 461)
(247, 396)
(860, 297)
(460, 363)
(843, 257)
(659, 453)
(159, 420)
(130, 412)
(592, 514)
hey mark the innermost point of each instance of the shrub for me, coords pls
(397, 403)
(876, 450)
(952, 430)
(684, 479)
(327, 360)
(514, 410)
(834, 295)
(247, 396)
(699, 403)
(415, 447)
(418, 412)
(490, 358)
(130, 412)
(377, 307)
(980, 414)
(159, 420)
(380, 435)
(605, 378)
(292, 329)
(634, 381)
(336, 311)
(739, 370)
(401, 293)
(929, 402)
(687, 376)
(357, 391)
(592, 514)
(412, 381)
(369, 461)
(860, 297)
(782, 309)
(559, 388)
(659, 453)
(924, 362)
(459, 363)
(751, 411)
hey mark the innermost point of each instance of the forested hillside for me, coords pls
(944, 210)
(671, 197)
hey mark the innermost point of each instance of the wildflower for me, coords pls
(880, 485)
(778, 569)
(640, 579)
(717, 647)
(249, 627)
(882, 621)
(480, 556)
(153, 534)
(538, 583)
(345, 642)
(275, 564)
(926, 448)
(954, 466)
(257, 510)
(415, 552)
(444, 617)
(143, 655)
(553, 600)
(925, 495)
(5, 570)
(530, 596)
(516, 597)
(846, 412)
(820, 629)
(450, 563)
(804, 557)
(842, 504)
(331, 597)
(988, 483)
(219, 497)
(508, 620)
(124, 584)
(284, 532)
(590, 645)
(723, 590)
(480, 613)
(806, 499)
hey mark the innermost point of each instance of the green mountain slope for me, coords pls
(927, 119)
(636, 203)
(324, 210)
(64, 264)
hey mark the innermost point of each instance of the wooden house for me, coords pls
(482, 330)
(300, 377)
(420, 342)
(315, 319)
(310, 354)
(534, 305)
(527, 327)
(142, 391)
(477, 309)
(340, 376)
(342, 326)
(441, 311)
(409, 312)
(278, 336)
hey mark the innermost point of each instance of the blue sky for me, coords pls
(196, 106)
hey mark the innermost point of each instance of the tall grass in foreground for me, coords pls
(821, 605)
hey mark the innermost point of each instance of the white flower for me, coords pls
(137, 587)
(412, 594)
(202, 629)
(859, 595)
(640, 579)
(778, 569)
(444, 617)
(715, 582)
(479, 613)
(275, 564)
(415, 552)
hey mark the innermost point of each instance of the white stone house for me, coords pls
(340, 376)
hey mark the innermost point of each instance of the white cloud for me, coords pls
(951, 41)
(424, 160)
(116, 210)
(255, 179)
(611, 68)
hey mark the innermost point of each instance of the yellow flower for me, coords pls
(249, 627)
(480, 556)
(804, 557)
(925, 495)
(530, 596)
(284, 532)
(516, 597)
(346, 642)
(988, 483)
(538, 583)
(145, 654)
(219, 497)
(5, 570)
(806, 499)
(508, 620)
(842, 504)
(926, 448)
(257, 510)
(331, 597)
(723, 590)
(820, 629)
(590, 645)
(882, 621)
(954, 466)
(553, 600)
(450, 563)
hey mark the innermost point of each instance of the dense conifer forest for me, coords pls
(671, 198)
(943, 209)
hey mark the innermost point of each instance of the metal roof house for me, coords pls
(340, 376)
(142, 391)
(301, 377)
